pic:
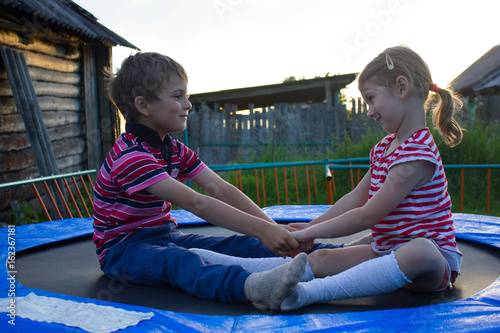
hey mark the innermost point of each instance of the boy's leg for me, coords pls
(235, 245)
(162, 264)
(150, 259)
(253, 265)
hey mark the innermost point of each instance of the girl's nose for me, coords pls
(370, 113)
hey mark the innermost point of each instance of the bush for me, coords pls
(479, 146)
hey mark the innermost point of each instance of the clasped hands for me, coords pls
(305, 243)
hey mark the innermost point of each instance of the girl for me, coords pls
(403, 198)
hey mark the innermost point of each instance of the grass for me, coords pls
(479, 146)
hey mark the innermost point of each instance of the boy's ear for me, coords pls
(403, 86)
(141, 104)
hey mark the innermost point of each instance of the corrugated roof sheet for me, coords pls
(68, 15)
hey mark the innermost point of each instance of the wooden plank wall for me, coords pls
(55, 71)
(223, 135)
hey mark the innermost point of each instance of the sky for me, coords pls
(226, 44)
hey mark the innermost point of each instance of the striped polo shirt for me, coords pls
(138, 159)
(426, 210)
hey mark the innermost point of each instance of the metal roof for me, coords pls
(67, 16)
(311, 90)
(480, 75)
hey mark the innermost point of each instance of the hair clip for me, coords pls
(389, 62)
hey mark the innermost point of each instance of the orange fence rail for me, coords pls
(67, 195)
(71, 195)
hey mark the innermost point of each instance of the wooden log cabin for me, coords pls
(65, 50)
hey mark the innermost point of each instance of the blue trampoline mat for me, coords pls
(479, 313)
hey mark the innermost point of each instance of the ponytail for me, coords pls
(443, 116)
(402, 61)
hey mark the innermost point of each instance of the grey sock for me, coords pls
(268, 289)
(253, 265)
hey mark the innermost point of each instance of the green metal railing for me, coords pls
(66, 201)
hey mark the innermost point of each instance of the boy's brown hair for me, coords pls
(141, 74)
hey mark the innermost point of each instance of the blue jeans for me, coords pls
(160, 256)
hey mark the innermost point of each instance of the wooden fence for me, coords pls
(225, 134)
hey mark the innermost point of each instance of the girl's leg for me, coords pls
(157, 260)
(368, 239)
(328, 262)
(376, 276)
(418, 260)
(252, 265)
(423, 263)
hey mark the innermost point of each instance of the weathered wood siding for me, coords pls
(56, 74)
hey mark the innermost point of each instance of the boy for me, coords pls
(135, 236)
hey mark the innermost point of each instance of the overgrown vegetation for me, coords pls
(479, 146)
(24, 214)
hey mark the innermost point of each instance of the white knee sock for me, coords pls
(376, 276)
(253, 265)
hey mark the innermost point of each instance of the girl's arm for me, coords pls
(353, 199)
(400, 180)
(356, 198)
(222, 190)
(219, 213)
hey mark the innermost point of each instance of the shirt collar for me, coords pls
(148, 134)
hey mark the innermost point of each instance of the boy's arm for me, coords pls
(222, 190)
(219, 213)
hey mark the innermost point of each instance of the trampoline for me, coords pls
(57, 260)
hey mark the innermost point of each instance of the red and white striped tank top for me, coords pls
(426, 210)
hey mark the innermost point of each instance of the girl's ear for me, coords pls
(403, 86)
(141, 104)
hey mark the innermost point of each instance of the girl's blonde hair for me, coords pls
(402, 61)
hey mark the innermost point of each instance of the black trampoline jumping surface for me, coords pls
(71, 268)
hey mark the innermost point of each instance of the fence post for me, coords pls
(329, 193)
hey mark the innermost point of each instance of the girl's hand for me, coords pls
(299, 225)
(305, 243)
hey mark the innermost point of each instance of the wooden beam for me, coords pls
(94, 151)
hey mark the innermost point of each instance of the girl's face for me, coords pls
(384, 105)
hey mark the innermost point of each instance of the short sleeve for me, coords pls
(136, 170)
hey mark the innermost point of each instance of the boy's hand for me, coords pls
(297, 226)
(279, 240)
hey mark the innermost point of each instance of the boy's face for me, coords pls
(168, 113)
